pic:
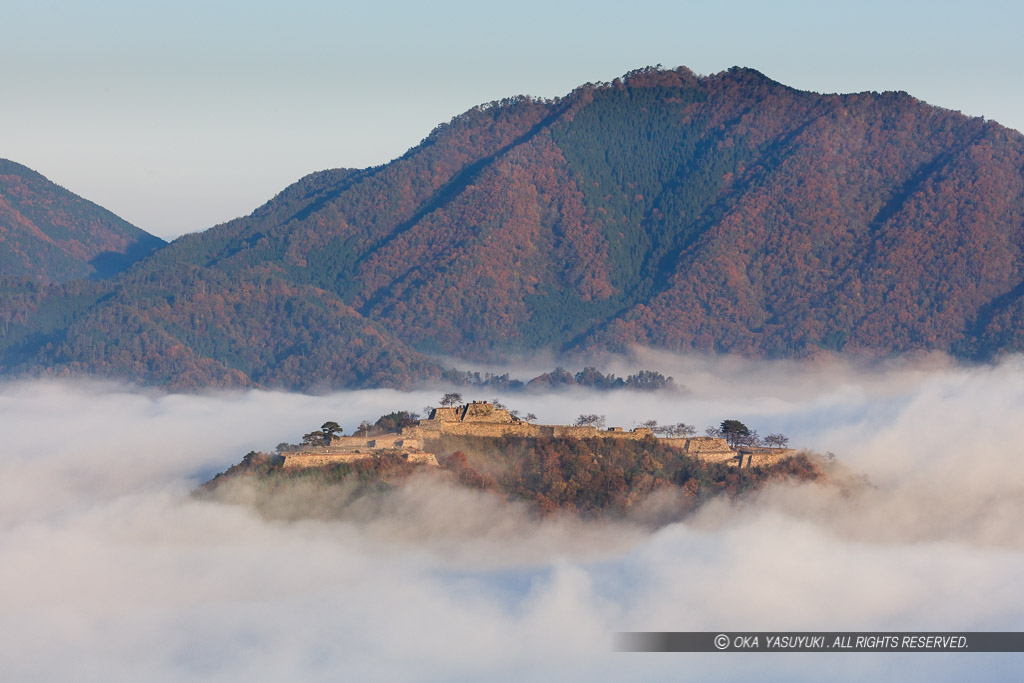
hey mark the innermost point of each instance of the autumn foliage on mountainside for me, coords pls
(726, 213)
(187, 328)
(48, 234)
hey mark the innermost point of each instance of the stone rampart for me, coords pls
(422, 458)
(762, 457)
(301, 459)
(489, 429)
(482, 419)
(485, 412)
(705, 444)
(431, 429)
(345, 449)
(444, 414)
(573, 432)
(477, 411)
(341, 443)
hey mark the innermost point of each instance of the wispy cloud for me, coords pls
(110, 571)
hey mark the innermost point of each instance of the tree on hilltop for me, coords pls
(395, 422)
(776, 440)
(331, 429)
(328, 430)
(677, 430)
(681, 429)
(590, 421)
(735, 433)
(451, 399)
(313, 439)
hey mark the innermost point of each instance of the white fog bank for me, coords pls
(109, 571)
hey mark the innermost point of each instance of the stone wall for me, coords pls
(352, 448)
(482, 419)
(728, 457)
(477, 411)
(340, 443)
(445, 414)
(573, 432)
(492, 429)
(485, 412)
(762, 457)
(706, 444)
(305, 459)
(302, 459)
(422, 458)
(428, 429)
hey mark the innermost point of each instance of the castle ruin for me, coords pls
(483, 419)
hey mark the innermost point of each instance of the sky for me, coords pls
(179, 116)
(112, 572)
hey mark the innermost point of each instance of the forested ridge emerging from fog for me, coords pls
(718, 214)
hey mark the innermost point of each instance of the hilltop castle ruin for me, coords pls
(483, 419)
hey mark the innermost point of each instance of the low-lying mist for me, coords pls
(111, 571)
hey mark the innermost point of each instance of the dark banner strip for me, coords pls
(820, 641)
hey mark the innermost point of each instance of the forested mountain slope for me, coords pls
(51, 235)
(726, 213)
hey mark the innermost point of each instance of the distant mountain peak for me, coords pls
(715, 214)
(50, 234)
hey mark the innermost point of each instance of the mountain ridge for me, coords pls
(50, 234)
(717, 214)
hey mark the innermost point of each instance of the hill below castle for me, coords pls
(724, 214)
(484, 448)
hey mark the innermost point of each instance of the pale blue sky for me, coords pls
(177, 116)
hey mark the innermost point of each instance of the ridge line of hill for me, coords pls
(695, 214)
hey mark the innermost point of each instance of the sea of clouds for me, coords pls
(110, 571)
